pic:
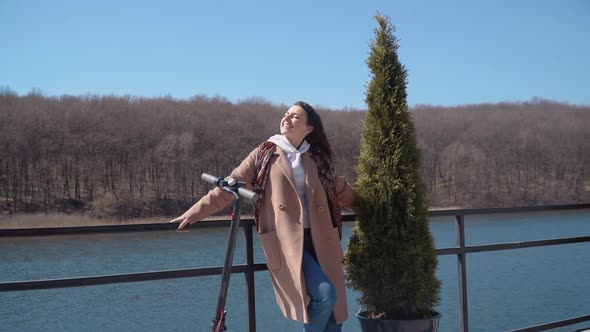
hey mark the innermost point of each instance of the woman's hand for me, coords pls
(182, 220)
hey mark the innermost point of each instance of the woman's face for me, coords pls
(294, 124)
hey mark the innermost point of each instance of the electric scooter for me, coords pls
(237, 189)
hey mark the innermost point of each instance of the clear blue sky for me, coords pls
(456, 52)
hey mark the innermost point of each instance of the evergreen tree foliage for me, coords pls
(390, 257)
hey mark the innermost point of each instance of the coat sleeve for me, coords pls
(346, 193)
(217, 199)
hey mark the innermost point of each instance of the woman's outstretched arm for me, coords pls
(217, 199)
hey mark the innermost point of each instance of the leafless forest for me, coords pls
(132, 157)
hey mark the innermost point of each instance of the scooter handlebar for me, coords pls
(249, 194)
(210, 178)
(219, 182)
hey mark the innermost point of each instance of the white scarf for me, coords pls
(293, 154)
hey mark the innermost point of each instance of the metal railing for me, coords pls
(249, 267)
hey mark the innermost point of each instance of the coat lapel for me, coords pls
(311, 176)
(285, 167)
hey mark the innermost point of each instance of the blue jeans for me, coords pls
(320, 290)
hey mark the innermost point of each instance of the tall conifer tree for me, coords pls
(390, 257)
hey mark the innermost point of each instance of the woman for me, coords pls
(297, 217)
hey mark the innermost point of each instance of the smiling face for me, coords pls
(294, 125)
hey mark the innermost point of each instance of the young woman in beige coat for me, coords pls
(298, 218)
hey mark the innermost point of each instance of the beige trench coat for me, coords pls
(281, 230)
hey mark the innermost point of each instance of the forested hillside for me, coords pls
(124, 157)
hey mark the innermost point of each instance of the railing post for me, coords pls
(462, 275)
(249, 274)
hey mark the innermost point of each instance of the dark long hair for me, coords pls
(317, 139)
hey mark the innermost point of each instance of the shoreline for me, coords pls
(55, 221)
(62, 220)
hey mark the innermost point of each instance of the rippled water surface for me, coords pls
(506, 289)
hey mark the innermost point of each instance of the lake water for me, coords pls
(506, 289)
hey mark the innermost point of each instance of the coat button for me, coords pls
(321, 208)
(281, 207)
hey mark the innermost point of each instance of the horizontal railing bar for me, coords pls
(553, 325)
(81, 230)
(122, 278)
(439, 213)
(508, 246)
(347, 217)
